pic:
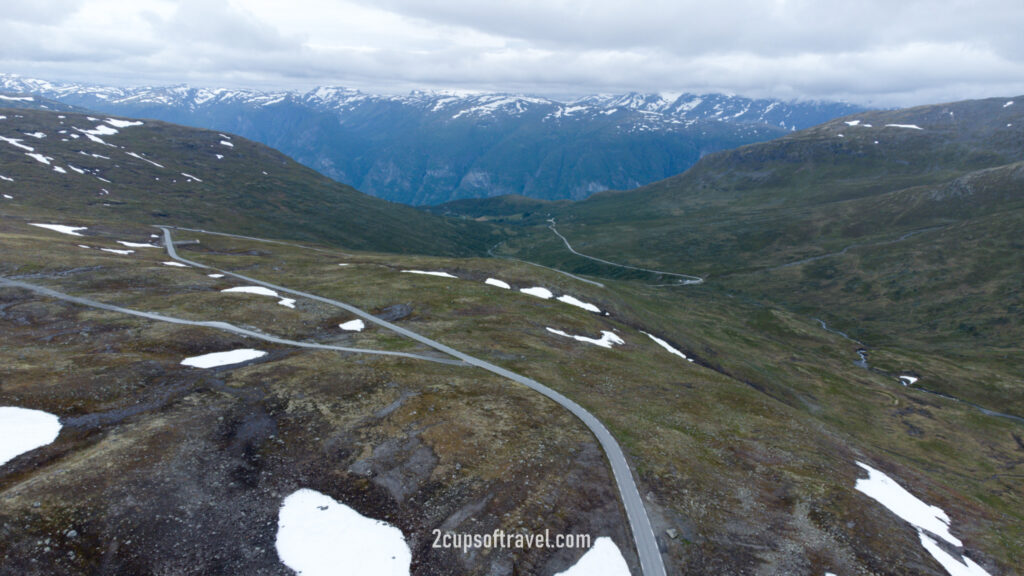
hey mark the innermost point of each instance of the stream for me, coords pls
(908, 383)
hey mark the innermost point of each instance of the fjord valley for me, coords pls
(427, 148)
(381, 360)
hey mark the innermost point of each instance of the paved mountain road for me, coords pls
(643, 534)
(687, 278)
(213, 324)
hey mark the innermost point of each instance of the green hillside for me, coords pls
(904, 238)
(741, 417)
(162, 173)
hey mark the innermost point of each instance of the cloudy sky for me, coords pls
(875, 52)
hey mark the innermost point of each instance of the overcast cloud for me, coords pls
(881, 53)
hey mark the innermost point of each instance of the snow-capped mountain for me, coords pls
(432, 147)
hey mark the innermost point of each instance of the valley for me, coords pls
(426, 148)
(693, 344)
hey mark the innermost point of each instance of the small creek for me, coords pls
(862, 362)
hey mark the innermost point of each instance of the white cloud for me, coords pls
(875, 51)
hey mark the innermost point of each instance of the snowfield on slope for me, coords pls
(286, 302)
(926, 518)
(603, 559)
(319, 536)
(23, 430)
(498, 283)
(430, 273)
(667, 346)
(215, 359)
(607, 340)
(72, 230)
(538, 292)
(356, 325)
(566, 299)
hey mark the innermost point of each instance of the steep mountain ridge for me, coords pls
(433, 147)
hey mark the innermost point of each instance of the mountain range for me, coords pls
(433, 147)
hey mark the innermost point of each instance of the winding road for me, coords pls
(212, 324)
(651, 563)
(852, 246)
(687, 278)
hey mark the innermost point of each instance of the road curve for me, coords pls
(213, 324)
(687, 278)
(651, 563)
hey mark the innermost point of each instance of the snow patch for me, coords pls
(23, 430)
(606, 341)
(852, 122)
(191, 177)
(59, 170)
(667, 346)
(37, 135)
(176, 264)
(353, 325)
(925, 518)
(134, 155)
(498, 283)
(17, 98)
(94, 138)
(262, 291)
(603, 559)
(911, 126)
(1008, 104)
(122, 123)
(17, 142)
(215, 275)
(116, 251)
(538, 292)
(6, 179)
(100, 130)
(72, 230)
(226, 143)
(430, 273)
(579, 303)
(317, 536)
(907, 380)
(215, 359)
(956, 567)
(39, 157)
(888, 493)
(135, 244)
